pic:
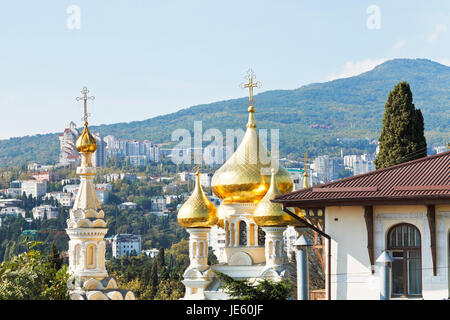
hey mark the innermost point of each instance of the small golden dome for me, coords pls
(305, 180)
(270, 214)
(198, 211)
(241, 179)
(86, 143)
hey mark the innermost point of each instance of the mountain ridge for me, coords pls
(348, 107)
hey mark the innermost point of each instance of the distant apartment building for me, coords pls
(48, 176)
(13, 192)
(34, 188)
(126, 244)
(36, 167)
(120, 176)
(158, 203)
(49, 211)
(65, 199)
(152, 253)
(133, 149)
(102, 190)
(359, 164)
(127, 206)
(326, 168)
(138, 160)
(216, 240)
(99, 156)
(12, 211)
(68, 153)
(10, 203)
(205, 179)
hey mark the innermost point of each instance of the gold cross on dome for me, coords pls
(85, 98)
(251, 84)
(305, 160)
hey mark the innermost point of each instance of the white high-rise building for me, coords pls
(126, 244)
(99, 156)
(35, 188)
(68, 154)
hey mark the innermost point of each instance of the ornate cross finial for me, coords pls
(250, 85)
(305, 160)
(85, 98)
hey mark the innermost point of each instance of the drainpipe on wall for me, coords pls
(328, 237)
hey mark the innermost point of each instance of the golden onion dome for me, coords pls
(305, 180)
(268, 213)
(86, 142)
(244, 177)
(198, 211)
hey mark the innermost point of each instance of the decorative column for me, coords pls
(274, 247)
(198, 247)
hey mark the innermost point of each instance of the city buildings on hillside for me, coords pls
(34, 188)
(49, 211)
(10, 203)
(326, 168)
(138, 152)
(68, 154)
(158, 203)
(12, 211)
(65, 199)
(101, 189)
(127, 205)
(359, 164)
(126, 244)
(120, 176)
(152, 253)
(47, 175)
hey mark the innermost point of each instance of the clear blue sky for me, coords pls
(146, 58)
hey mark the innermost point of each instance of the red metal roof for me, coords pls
(425, 179)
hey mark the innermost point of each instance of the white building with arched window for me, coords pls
(404, 210)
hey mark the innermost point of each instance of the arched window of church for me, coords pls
(242, 233)
(201, 254)
(404, 242)
(90, 257)
(261, 237)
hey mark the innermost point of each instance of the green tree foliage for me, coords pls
(33, 276)
(265, 289)
(402, 136)
(149, 278)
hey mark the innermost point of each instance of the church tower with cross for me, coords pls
(253, 225)
(86, 229)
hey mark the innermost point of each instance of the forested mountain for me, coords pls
(309, 118)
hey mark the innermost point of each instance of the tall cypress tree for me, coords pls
(402, 136)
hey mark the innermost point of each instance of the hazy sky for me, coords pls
(146, 58)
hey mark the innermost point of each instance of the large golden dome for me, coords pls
(268, 213)
(244, 177)
(197, 211)
(86, 142)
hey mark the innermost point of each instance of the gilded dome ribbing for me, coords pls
(242, 178)
(198, 211)
(268, 213)
(86, 142)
